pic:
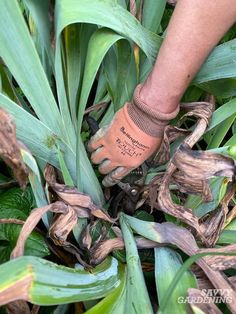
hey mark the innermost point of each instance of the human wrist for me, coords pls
(149, 119)
(159, 99)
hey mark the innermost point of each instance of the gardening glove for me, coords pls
(134, 134)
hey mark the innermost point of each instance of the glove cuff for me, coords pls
(150, 121)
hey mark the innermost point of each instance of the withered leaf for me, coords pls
(165, 203)
(62, 226)
(200, 165)
(201, 110)
(171, 133)
(189, 185)
(32, 221)
(18, 307)
(10, 148)
(202, 281)
(221, 262)
(190, 170)
(100, 251)
(74, 198)
(86, 237)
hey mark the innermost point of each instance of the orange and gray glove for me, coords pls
(134, 134)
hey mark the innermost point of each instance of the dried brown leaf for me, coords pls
(74, 198)
(86, 237)
(200, 165)
(231, 215)
(194, 170)
(171, 134)
(69, 247)
(225, 205)
(62, 226)
(201, 110)
(165, 203)
(215, 221)
(103, 248)
(213, 226)
(189, 186)
(100, 251)
(203, 281)
(32, 221)
(10, 148)
(99, 213)
(221, 262)
(17, 307)
(81, 212)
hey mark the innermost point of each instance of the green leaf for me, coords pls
(109, 14)
(137, 298)
(36, 185)
(228, 235)
(65, 172)
(34, 178)
(9, 233)
(72, 43)
(16, 203)
(152, 14)
(219, 65)
(114, 303)
(145, 228)
(231, 142)
(53, 284)
(224, 88)
(167, 263)
(39, 11)
(222, 113)
(19, 54)
(104, 39)
(221, 132)
(126, 78)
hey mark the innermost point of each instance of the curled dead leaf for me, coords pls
(62, 226)
(189, 186)
(10, 148)
(171, 134)
(200, 165)
(86, 237)
(190, 171)
(71, 196)
(103, 248)
(32, 221)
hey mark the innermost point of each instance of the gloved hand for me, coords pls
(134, 134)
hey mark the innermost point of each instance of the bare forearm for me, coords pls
(195, 28)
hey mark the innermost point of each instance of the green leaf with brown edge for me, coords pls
(46, 283)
